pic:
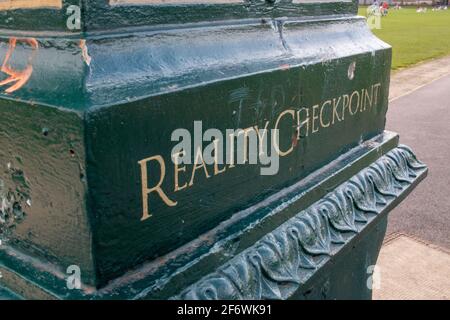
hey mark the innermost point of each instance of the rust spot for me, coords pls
(18, 77)
(294, 138)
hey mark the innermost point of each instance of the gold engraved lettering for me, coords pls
(305, 120)
(275, 134)
(301, 123)
(157, 188)
(322, 123)
(351, 103)
(315, 117)
(335, 113)
(177, 170)
(198, 163)
(216, 159)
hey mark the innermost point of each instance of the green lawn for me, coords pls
(414, 36)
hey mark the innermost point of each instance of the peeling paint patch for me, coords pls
(14, 199)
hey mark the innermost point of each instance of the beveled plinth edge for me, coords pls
(371, 179)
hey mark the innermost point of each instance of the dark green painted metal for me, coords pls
(116, 200)
(161, 281)
(98, 15)
(104, 97)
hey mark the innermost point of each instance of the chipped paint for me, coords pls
(19, 77)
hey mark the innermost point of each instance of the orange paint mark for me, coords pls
(18, 77)
(84, 52)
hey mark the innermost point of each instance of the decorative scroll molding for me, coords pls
(278, 264)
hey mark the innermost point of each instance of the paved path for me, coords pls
(422, 118)
(414, 260)
(407, 80)
(411, 269)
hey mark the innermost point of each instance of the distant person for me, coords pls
(384, 8)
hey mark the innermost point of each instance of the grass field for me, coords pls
(414, 36)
